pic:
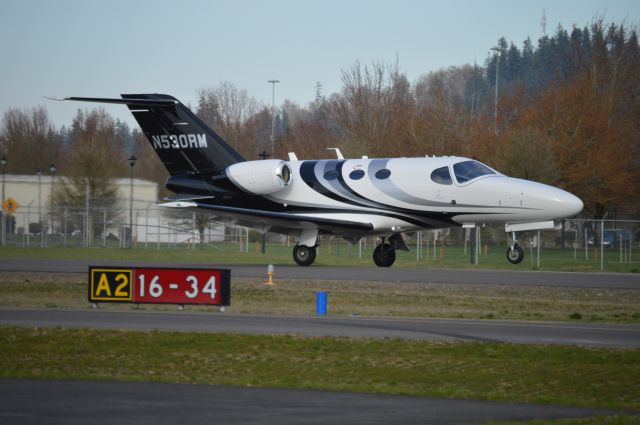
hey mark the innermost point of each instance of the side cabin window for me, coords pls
(356, 174)
(383, 174)
(469, 170)
(441, 176)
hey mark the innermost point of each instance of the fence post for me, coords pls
(586, 245)
(539, 242)
(193, 231)
(602, 245)
(435, 239)
(86, 214)
(64, 227)
(104, 227)
(146, 227)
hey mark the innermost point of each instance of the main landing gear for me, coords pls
(384, 255)
(515, 253)
(304, 255)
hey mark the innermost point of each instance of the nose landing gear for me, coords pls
(384, 255)
(515, 253)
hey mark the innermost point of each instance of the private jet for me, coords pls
(349, 198)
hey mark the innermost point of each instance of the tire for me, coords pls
(384, 255)
(304, 255)
(515, 255)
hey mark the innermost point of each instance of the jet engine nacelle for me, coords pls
(260, 177)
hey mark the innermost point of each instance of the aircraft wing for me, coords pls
(278, 222)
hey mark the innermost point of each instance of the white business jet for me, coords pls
(350, 198)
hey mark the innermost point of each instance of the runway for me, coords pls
(65, 402)
(424, 275)
(587, 334)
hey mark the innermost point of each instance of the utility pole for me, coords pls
(495, 111)
(273, 113)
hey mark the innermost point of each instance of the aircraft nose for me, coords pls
(566, 204)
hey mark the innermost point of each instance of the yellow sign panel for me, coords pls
(10, 206)
(110, 284)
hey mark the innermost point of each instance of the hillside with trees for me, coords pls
(567, 113)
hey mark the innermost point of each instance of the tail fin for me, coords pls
(184, 143)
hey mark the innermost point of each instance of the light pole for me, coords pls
(52, 170)
(3, 163)
(132, 164)
(273, 113)
(495, 111)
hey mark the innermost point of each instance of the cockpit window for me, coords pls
(469, 170)
(441, 176)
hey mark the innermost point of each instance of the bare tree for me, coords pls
(374, 110)
(95, 157)
(233, 114)
(29, 140)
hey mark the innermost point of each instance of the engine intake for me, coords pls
(260, 177)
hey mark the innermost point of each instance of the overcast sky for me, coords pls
(104, 48)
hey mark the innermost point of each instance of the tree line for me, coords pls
(567, 114)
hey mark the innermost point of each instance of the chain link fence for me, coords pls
(110, 227)
(580, 244)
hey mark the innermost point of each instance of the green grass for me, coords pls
(600, 420)
(485, 371)
(297, 297)
(334, 253)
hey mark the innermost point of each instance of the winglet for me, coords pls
(337, 151)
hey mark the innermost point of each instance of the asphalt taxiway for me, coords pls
(588, 334)
(70, 402)
(378, 274)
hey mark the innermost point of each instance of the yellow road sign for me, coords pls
(10, 206)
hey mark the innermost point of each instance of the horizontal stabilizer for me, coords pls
(287, 220)
(179, 204)
(139, 102)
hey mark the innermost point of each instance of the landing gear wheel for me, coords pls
(384, 255)
(515, 254)
(304, 255)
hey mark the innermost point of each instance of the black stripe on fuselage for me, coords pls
(309, 176)
(416, 218)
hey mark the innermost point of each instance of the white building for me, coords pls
(32, 195)
(34, 192)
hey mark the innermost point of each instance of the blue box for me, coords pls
(321, 303)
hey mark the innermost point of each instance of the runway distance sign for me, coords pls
(159, 285)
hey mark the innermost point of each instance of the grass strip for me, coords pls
(577, 376)
(400, 299)
(599, 420)
(336, 253)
